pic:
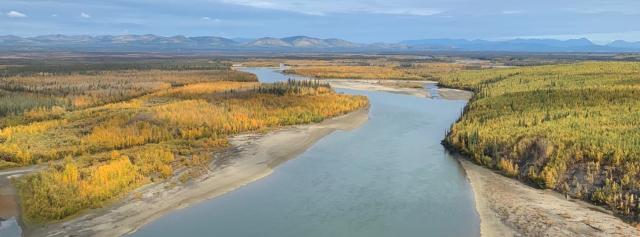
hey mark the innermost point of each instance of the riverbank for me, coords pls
(250, 158)
(508, 207)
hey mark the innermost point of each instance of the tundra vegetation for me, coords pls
(102, 130)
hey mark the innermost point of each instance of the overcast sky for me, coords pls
(363, 21)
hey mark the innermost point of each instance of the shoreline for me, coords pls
(400, 87)
(508, 207)
(379, 85)
(250, 158)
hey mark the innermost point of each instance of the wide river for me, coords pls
(390, 177)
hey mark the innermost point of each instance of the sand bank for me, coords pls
(415, 88)
(508, 207)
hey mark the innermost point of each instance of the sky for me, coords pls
(364, 21)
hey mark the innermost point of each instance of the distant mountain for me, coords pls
(242, 40)
(268, 42)
(214, 41)
(179, 43)
(10, 39)
(624, 44)
(173, 43)
(114, 43)
(339, 43)
(441, 43)
(515, 45)
(388, 46)
(306, 42)
(302, 42)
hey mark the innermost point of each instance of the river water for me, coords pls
(390, 177)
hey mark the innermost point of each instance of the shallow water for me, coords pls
(10, 228)
(270, 75)
(390, 177)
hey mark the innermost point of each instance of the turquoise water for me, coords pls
(390, 177)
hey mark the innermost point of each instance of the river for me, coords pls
(390, 177)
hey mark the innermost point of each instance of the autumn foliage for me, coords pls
(64, 190)
(572, 128)
(139, 126)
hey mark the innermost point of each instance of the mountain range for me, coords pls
(112, 43)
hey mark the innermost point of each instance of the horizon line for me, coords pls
(503, 39)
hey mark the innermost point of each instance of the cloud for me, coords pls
(16, 14)
(410, 11)
(206, 18)
(255, 3)
(324, 8)
(278, 5)
(511, 12)
(85, 15)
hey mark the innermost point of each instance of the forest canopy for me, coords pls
(101, 131)
(574, 128)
